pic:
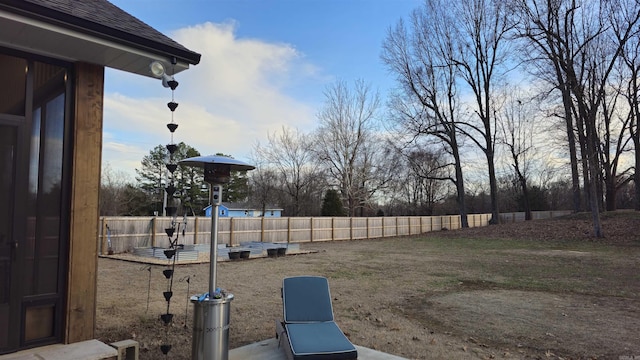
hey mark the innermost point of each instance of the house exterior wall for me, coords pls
(269, 213)
(241, 213)
(47, 35)
(54, 174)
(224, 211)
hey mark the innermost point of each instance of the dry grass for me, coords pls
(543, 289)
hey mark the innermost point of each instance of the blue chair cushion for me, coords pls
(319, 341)
(306, 299)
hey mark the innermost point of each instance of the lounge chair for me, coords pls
(308, 329)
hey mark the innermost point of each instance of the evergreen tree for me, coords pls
(153, 177)
(237, 190)
(331, 204)
(136, 202)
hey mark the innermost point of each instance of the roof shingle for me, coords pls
(102, 18)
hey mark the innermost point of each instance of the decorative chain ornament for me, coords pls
(172, 211)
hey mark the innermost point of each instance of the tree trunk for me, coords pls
(611, 195)
(525, 194)
(634, 128)
(527, 205)
(460, 198)
(571, 139)
(636, 175)
(595, 208)
(586, 179)
(593, 172)
(493, 187)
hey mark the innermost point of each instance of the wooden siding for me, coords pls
(86, 158)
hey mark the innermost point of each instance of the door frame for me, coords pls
(23, 126)
(11, 266)
(18, 123)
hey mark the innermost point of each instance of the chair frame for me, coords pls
(282, 331)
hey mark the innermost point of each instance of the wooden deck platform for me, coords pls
(269, 350)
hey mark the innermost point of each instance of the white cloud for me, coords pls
(238, 93)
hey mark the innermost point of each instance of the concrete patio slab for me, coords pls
(269, 350)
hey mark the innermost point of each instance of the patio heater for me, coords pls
(211, 310)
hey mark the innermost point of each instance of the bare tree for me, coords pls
(518, 134)
(347, 143)
(575, 36)
(615, 120)
(290, 154)
(428, 101)
(631, 60)
(417, 188)
(120, 197)
(543, 26)
(263, 185)
(480, 39)
(112, 190)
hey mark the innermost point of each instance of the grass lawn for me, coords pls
(542, 289)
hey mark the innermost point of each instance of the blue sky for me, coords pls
(265, 65)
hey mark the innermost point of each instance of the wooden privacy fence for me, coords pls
(127, 233)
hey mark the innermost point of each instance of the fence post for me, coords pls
(367, 227)
(350, 228)
(333, 236)
(195, 231)
(262, 230)
(230, 231)
(153, 232)
(288, 229)
(103, 243)
(311, 231)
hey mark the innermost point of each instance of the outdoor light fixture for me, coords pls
(211, 310)
(158, 70)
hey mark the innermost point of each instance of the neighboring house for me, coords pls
(240, 210)
(52, 59)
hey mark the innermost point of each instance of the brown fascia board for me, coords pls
(51, 15)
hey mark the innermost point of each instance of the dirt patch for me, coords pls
(559, 253)
(539, 290)
(552, 324)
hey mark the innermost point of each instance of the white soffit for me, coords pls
(33, 36)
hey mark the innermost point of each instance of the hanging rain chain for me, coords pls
(171, 210)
